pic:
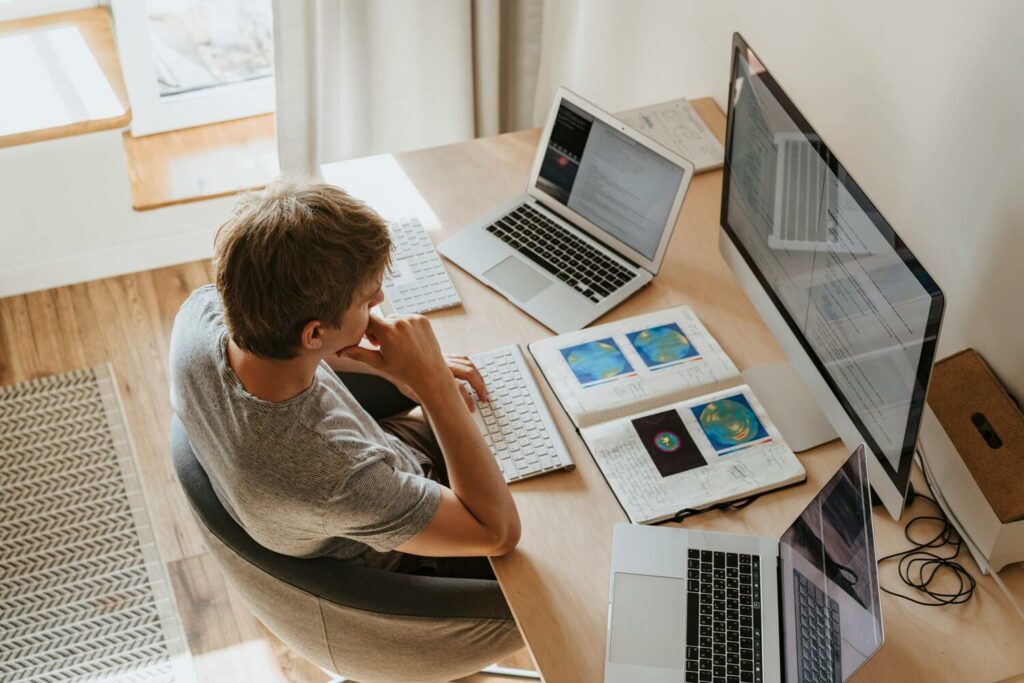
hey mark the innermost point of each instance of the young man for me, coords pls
(293, 456)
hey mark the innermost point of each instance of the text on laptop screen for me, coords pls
(854, 295)
(832, 619)
(608, 178)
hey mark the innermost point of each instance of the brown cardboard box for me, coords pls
(972, 440)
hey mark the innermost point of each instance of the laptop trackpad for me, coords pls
(648, 621)
(518, 279)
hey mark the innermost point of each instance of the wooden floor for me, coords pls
(126, 321)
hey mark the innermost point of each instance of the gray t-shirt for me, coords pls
(314, 475)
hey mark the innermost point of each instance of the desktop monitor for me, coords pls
(855, 312)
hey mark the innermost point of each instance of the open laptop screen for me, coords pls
(832, 619)
(611, 180)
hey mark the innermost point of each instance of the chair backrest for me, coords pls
(341, 616)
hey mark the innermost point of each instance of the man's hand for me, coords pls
(408, 354)
(464, 369)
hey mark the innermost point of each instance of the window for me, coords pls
(21, 9)
(192, 62)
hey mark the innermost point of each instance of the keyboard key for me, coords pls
(562, 253)
(515, 422)
(418, 282)
(718, 617)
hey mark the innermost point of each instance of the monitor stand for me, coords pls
(790, 405)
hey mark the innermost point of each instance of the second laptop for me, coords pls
(593, 225)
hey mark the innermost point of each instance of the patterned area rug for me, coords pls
(83, 592)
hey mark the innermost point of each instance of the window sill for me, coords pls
(43, 94)
(204, 162)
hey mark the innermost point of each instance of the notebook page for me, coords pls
(692, 454)
(679, 127)
(628, 366)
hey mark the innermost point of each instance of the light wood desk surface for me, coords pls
(556, 581)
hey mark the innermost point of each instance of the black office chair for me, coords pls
(362, 623)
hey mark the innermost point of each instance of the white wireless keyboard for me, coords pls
(418, 281)
(516, 422)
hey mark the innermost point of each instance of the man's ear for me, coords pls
(311, 336)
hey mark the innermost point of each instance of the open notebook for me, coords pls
(665, 414)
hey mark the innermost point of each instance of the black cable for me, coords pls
(733, 505)
(919, 566)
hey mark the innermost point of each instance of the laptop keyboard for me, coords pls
(561, 253)
(817, 645)
(723, 617)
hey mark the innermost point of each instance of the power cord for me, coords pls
(919, 567)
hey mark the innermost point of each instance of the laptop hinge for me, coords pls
(606, 246)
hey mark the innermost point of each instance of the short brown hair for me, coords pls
(295, 252)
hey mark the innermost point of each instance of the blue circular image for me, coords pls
(660, 345)
(596, 361)
(729, 422)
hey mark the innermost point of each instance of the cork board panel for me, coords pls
(963, 385)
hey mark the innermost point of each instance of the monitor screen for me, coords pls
(832, 622)
(856, 299)
(622, 187)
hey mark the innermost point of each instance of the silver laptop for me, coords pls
(592, 226)
(703, 606)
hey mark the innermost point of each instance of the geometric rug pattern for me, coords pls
(84, 595)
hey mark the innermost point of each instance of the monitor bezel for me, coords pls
(900, 476)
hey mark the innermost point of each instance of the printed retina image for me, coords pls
(729, 423)
(670, 446)
(662, 345)
(597, 361)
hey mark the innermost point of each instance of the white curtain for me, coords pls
(361, 77)
(622, 55)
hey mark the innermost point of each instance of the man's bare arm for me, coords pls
(477, 515)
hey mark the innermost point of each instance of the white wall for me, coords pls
(623, 54)
(66, 216)
(923, 102)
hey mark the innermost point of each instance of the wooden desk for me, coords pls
(557, 580)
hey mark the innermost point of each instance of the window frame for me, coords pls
(152, 113)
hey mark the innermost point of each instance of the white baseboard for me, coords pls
(117, 259)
